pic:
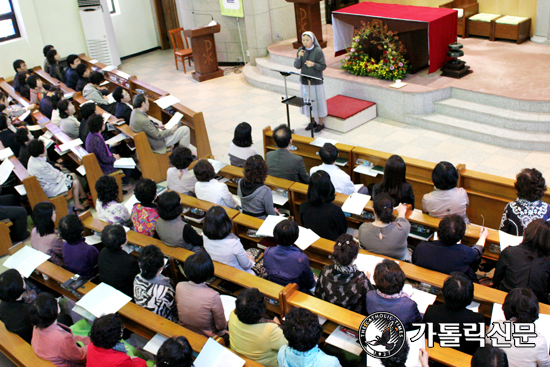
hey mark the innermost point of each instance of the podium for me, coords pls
(205, 57)
(308, 18)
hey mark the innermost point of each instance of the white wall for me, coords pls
(58, 23)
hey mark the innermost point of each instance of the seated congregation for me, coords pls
(251, 330)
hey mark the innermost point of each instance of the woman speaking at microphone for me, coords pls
(311, 61)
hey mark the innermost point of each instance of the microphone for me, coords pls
(195, 13)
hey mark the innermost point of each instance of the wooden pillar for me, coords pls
(308, 18)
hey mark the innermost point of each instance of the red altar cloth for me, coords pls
(442, 24)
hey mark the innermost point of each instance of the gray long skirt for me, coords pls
(319, 105)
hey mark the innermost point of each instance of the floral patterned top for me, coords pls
(144, 219)
(518, 214)
(113, 213)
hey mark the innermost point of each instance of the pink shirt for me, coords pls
(57, 344)
(440, 203)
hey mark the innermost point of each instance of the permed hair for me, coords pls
(107, 189)
(106, 331)
(302, 329)
(255, 169)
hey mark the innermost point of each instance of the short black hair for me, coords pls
(458, 291)
(95, 123)
(50, 56)
(117, 93)
(328, 153)
(489, 356)
(302, 329)
(12, 285)
(445, 176)
(32, 81)
(151, 260)
(346, 249)
(537, 237)
(3, 122)
(139, 99)
(286, 232)
(145, 191)
(522, 305)
(22, 135)
(106, 331)
(62, 107)
(17, 64)
(389, 277)
(87, 110)
(383, 207)
(199, 267)
(113, 236)
(175, 352)
(81, 69)
(530, 184)
(181, 157)
(250, 306)
(170, 206)
(35, 146)
(43, 311)
(42, 218)
(204, 171)
(320, 190)
(71, 59)
(217, 224)
(397, 360)
(97, 78)
(71, 228)
(107, 189)
(46, 49)
(451, 229)
(242, 136)
(282, 136)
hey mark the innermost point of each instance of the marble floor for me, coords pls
(230, 100)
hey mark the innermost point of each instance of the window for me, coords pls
(8, 24)
(111, 4)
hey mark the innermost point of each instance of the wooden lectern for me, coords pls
(308, 18)
(205, 57)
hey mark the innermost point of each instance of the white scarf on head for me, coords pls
(313, 38)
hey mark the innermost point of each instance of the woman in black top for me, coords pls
(394, 182)
(53, 58)
(318, 213)
(527, 265)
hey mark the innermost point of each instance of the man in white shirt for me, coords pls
(340, 179)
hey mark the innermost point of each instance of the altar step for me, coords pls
(263, 76)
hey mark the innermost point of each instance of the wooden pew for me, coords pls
(36, 195)
(76, 153)
(310, 153)
(94, 172)
(19, 351)
(137, 318)
(115, 77)
(5, 239)
(153, 166)
(12, 93)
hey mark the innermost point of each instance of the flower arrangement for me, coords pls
(391, 63)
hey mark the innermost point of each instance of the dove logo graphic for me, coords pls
(382, 334)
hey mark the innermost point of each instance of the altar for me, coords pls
(424, 31)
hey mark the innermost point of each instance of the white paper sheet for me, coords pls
(155, 343)
(422, 299)
(355, 203)
(368, 263)
(34, 127)
(306, 238)
(6, 168)
(279, 199)
(413, 356)
(26, 260)
(125, 163)
(173, 121)
(129, 204)
(21, 190)
(73, 143)
(115, 139)
(267, 227)
(217, 165)
(47, 142)
(366, 170)
(319, 142)
(166, 102)
(81, 170)
(109, 68)
(506, 240)
(123, 74)
(6, 153)
(228, 303)
(344, 341)
(93, 239)
(126, 229)
(48, 134)
(93, 61)
(68, 95)
(24, 115)
(497, 314)
(474, 306)
(106, 116)
(103, 300)
(215, 355)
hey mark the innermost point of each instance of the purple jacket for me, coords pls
(288, 264)
(404, 308)
(95, 144)
(80, 258)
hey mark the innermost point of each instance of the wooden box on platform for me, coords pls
(204, 52)
(482, 25)
(517, 32)
(308, 18)
(346, 113)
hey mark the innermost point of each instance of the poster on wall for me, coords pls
(232, 8)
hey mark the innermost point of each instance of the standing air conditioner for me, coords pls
(99, 32)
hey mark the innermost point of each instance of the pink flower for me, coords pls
(347, 57)
(400, 64)
(391, 67)
(352, 50)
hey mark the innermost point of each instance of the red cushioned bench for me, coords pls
(346, 113)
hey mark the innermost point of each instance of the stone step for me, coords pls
(269, 68)
(481, 132)
(253, 76)
(494, 116)
(502, 102)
